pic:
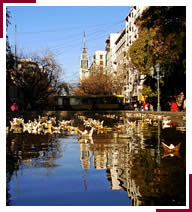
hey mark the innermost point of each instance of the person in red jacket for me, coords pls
(145, 105)
(174, 106)
(14, 107)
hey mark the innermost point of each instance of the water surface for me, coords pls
(115, 168)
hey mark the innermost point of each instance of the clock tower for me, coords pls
(84, 63)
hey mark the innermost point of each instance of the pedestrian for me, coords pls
(150, 107)
(14, 107)
(179, 101)
(135, 106)
(174, 106)
(130, 106)
(145, 105)
(139, 105)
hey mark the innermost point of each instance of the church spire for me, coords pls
(84, 40)
(84, 62)
(84, 44)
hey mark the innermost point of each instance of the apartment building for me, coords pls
(115, 59)
(130, 24)
(110, 53)
(99, 62)
(134, 79)
(121, 59)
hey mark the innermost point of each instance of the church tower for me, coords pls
(84, 63)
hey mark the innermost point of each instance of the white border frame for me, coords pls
(186, 3)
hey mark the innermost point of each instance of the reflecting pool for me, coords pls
(123, 163)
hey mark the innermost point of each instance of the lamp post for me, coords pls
(158, 89)
(157, 77)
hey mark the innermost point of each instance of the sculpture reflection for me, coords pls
(129, 150)
(134, 166)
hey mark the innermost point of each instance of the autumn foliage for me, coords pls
(162, 40)
(99, 84)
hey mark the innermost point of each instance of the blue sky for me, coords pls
(60, 29)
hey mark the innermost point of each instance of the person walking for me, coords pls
(174, 106)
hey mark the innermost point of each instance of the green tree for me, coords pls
(162, 39)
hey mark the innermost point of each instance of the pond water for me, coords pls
(123, 165)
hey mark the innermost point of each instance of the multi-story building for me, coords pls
(84, 64)
(99, 62)
(121, 67)
(135, 78)
(110, 55)
(115, 58)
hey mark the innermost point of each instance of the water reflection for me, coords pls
(135, 166)
(131, 154)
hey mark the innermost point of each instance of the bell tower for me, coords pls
(84, 62)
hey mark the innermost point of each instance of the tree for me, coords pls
(38, 79)
(100, 83)
(64, 89)
(35, 81)
(10, 61)
(162, 39)
(8, 16)
(94, 85)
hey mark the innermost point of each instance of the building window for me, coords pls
(60, 101)
(101, 56)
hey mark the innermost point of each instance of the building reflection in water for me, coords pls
(137, 165)
(133, 159)
(85, 155)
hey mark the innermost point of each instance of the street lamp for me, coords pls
(157, 77)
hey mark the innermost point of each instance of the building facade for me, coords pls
(115, 59)
(121, 63)
(110, 53)
(99, 62)
(135, 80)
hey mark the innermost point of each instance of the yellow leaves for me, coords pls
(100, 84)
(147, 91)
(150, 43)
